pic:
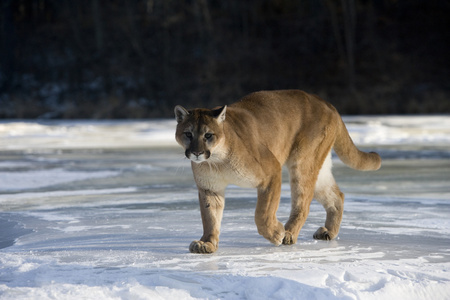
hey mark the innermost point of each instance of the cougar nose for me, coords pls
(198, 153)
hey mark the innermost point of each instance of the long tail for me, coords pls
(352, 156)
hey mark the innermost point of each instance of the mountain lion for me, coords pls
(248, 142)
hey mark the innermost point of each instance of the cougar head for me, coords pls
(200, 131)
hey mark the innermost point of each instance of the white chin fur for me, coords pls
(196, 159)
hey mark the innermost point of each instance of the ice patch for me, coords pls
(14, 164)
(51, 194)
(11, 181)
(87, 228)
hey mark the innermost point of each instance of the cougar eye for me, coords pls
(188, 135)
(208, 136)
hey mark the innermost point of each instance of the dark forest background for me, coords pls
(138, 59)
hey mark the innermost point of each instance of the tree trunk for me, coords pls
(97, 18)
(7, 60)
(349, 33)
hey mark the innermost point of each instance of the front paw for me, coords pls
(202, 247)
(274, 234)
(289, 239)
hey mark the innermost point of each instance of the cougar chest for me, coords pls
(218, 176)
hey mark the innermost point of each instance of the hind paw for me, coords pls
(323, 234)
(202, 247)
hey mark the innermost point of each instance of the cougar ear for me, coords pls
(220, 113)
(180, 113)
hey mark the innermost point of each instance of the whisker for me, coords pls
(178, 169)
(209, 164)
(213, 166)
(180, 166)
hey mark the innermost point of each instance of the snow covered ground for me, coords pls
(106, 210)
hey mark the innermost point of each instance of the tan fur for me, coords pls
(247, 144)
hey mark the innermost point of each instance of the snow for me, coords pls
(107, 209)
(32, 136)
(398, 130)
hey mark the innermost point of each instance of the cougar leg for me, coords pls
(269, 194)
(328, 194)
(302, 190)
(211, 208)
(303, 172)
